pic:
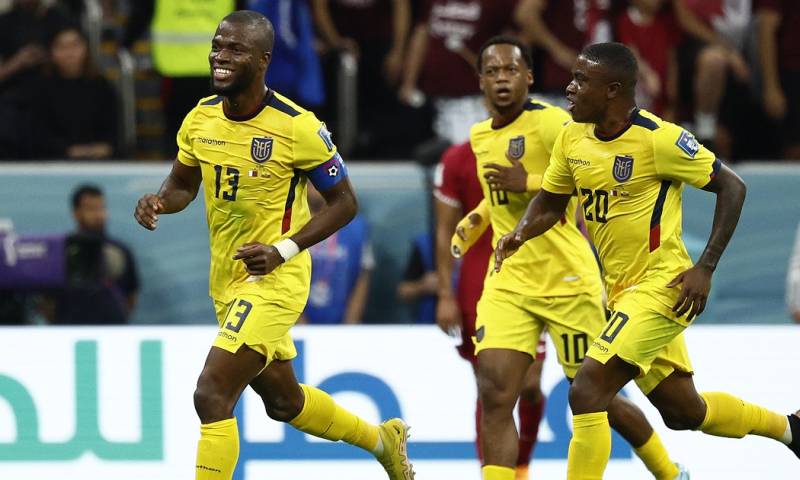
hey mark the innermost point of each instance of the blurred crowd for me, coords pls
(729, 70)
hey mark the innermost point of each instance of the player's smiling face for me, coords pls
(587, 93)
(505, 77)
(234, 59)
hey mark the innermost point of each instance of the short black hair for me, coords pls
(506, 40)
(85, 190)
(617, 58)
(259, 23)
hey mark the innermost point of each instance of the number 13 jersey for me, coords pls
(630, 190)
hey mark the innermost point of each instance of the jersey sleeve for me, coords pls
(315, 153)
(447, 179)
(185, 149)
(679, 156)
(558, 176)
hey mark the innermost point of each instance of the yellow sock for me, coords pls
(217, 450)
(496, 472)
(590, 447)
(323, 418)
(728, 416)
(656, 459)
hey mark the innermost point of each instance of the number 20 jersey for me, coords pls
(630, 190)
(255, 170)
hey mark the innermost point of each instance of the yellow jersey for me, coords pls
(255, 170)
(558, 263)
(630, 188)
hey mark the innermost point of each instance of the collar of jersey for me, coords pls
(249, 116)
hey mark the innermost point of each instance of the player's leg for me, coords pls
(467, 351)
(530, 410)
(720, 414)
(500, 376)
(506, 339)
(224, 377)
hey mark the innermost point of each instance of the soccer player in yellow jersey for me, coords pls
(553, 282)
(629, 168)
(254, 151)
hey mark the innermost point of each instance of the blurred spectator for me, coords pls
(648, 27)
(180, 41)
(103, 284)
(420, 282)
(793, 280)
(24, 31)
(375, 32)
(294, 69)
(77, 107)
(779, 53)
(561, 28)
(340, 273)
(716, 32)
(441, 60)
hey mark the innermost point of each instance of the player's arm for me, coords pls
(544, 211)
(448, 315)
(178, 190)
(769, 21)
(563, 55)
(401, 24)
(696, 281)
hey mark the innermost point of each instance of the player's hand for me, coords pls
(696, 283)
(507, 246)
(147, 210)
(510, 179)
(448, 315)
(259, 259)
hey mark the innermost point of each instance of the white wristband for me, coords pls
(287, 249)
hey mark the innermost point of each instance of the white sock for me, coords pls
(705, 125)
(378, 450)
(786, 439)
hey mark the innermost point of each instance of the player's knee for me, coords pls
(496, 397)
(210, 404)
(283, 409)
(680, 418)
(584, 399)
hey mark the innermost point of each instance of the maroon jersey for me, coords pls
(363, 20)
(788, 32)
(452, 23)
(459, 186)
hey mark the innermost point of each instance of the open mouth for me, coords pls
(570, 104)
(503, 92)
(222, 74)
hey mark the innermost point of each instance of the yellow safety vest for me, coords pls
(181, 35)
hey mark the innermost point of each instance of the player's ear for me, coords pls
(480, 82)
(613, 90)
(530, 77)
(266, 58)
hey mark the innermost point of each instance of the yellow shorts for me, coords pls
(639, 333)
(512, 321)
(261, 325)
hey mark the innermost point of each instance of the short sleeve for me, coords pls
(315, 152)
(558, 176)
(554, 120)
(185, 149)
(679, 156)
(446, 178)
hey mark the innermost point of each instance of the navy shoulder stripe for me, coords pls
(213, 101)
(638, 119)
(282, 106)
(531, 105)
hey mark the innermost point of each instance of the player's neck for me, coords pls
(504, 118)
(615, 121)
(246, 102)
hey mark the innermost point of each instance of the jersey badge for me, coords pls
(261, 149)
(516, 147)
(688, 143)
(623, 168)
